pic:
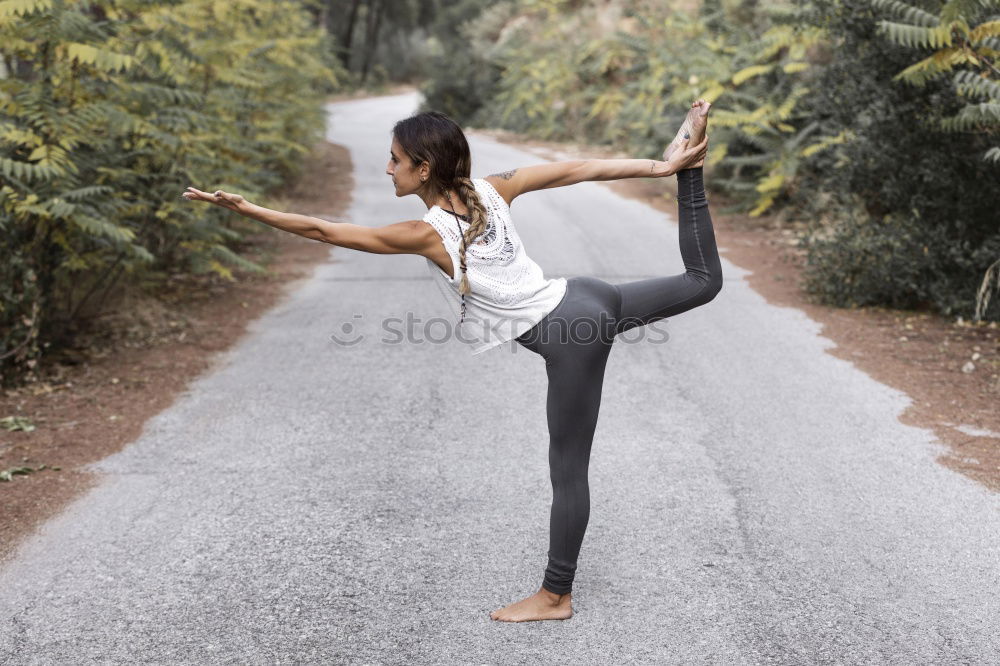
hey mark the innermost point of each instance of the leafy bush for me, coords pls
(108, 110)
(462, 72)
(912, 194)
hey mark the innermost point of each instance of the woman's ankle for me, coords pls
(554, 597)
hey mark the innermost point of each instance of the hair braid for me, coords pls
(477, 222)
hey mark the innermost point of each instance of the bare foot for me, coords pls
(693, 128)
(542, 605)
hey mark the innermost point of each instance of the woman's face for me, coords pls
(405, 176)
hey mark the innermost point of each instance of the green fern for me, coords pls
(981, 117)
(939, 63)
(958, 46)
(965, 37)
(973, 84)
(907, 12)
(12, 8)
(103, 123)
(917, 36)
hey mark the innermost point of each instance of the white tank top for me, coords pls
(509, 292)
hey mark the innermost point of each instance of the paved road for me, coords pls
(755, 500)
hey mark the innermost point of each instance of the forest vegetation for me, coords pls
(872, 125)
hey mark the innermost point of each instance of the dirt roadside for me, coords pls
(145, 349)
(950, 369)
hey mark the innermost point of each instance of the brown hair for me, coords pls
(433, 137)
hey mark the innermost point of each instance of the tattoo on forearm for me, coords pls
(652, 164)
(506, 175)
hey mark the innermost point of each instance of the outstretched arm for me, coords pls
(515, 182)
(410, 237)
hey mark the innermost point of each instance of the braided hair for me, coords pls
(433, 137)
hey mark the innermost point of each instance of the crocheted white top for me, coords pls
(509, 292)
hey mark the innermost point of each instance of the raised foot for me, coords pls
(542, 605)
(694, 126)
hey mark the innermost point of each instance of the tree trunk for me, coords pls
(374, 19)
(345, 52)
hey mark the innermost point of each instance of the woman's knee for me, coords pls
(713, 286)
(709, 283)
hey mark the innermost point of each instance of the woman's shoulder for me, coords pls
(494, 199)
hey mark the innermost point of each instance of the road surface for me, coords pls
(754, 499)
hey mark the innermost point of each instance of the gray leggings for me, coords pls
(575, 340)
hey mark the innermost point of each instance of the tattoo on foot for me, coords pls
(506, 175)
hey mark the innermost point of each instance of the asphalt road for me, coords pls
(754, 499)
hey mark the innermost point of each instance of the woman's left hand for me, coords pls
(686, 156)
(226, 200)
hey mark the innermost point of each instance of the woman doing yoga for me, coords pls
(476, 256)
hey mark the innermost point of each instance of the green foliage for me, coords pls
(908, 13)
(13, 423)
(963, 34)
(108, 110)
(630, 87)
(9, 473)
(460, 86)
(762, 105)
(897, 215)
(899, 261)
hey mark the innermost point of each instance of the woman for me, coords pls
(472, 247)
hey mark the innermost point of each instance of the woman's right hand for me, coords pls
(219, 198)
(688, 157)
